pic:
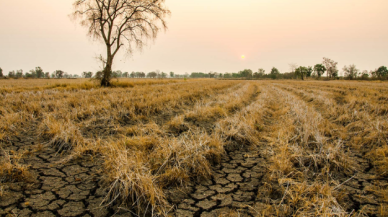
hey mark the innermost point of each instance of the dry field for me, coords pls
(193, 148)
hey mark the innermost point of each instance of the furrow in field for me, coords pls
(303, 162)
(364, 134)
(206, 113)
(232, 187)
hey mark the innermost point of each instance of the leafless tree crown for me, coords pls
(122, 22)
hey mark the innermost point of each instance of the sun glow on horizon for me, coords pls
(242, 56)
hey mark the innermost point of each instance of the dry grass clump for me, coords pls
(244, 125)
(11, 169)
(141, 166)
(63, 135)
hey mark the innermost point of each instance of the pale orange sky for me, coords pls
(205, 35)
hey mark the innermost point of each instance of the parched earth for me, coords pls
(56, 187)
(232, 189)
(73, 187)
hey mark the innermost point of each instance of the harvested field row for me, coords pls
(361, 131)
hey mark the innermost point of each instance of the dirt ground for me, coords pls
(57, 186)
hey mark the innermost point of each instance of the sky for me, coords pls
(204, 36)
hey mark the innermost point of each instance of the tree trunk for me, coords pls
(105, 81)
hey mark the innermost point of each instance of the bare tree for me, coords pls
(157, 73)
(293, 67)
(121, 23)
(59, 73)
(331, 67)
(351, 71)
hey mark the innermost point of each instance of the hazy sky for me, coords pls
(205, 35)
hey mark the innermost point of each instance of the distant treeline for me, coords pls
(327, 68)
(37, 73)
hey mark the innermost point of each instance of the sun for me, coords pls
(242, 56)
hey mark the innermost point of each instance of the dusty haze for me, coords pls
(204, 36)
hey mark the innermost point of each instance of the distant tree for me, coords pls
(59, 73)
(293, 67)
(132, 75)
(19, 73)
(163, 75)
(382, 72)
(114, 74)
(351, 71)
(158, 73)
(227, 75)
(39, 72)
(30, 74)
(98, 75)
(331, 67)
(125, 74)
(309, 71)
(47, 75)
(246, 73)
(120, 23)
(319, 69)
(301, 72)
(200, 75)
(274, 73)
(365, 74)
(152, 75)
(261, 72)
(117, 74)
(87, 74)
(236, 75)
(66, 75)
(171, 74)
(1, 72)
(12, 74)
